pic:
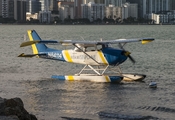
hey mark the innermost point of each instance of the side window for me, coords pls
(90, 49)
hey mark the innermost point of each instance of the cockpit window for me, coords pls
(90, 48)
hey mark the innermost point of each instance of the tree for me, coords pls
(68, 20)
(130, 19)
(105, 19)
(57, 19)
(98, 20)
(8, 20)
(118, 20)
(140, 20)
(1, 19)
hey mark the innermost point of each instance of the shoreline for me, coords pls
(80, 24)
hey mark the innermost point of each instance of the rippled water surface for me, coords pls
(29, 78)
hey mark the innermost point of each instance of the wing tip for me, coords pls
(147, 40)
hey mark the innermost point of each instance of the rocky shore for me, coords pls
(13, 109)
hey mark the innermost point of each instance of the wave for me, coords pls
(161, 109)
(70, 118)
(125, 116)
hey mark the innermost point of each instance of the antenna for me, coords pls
(82, 38)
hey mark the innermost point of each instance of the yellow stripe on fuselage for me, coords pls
(102, 58)
(35, 51)
(70, 78)
(107, 79)
(67, 55)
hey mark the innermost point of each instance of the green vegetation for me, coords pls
(57, 20)
(7, 20)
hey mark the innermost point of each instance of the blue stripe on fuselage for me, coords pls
(114, 56)
(53, 54)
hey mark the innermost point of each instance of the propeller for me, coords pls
(127, 53)
(131, 58)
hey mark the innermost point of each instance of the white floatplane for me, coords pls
(100, 59)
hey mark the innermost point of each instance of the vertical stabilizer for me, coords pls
(36, 47)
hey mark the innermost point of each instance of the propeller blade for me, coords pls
(127, 54)
(132, 59)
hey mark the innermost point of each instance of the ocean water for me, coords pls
(29, 78)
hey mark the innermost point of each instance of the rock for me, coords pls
(9, 118)
(14, 107)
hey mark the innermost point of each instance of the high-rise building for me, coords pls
(53, 5)
(172, 4)
(44, 4)
(33, 6)
(117, 3)
(87, 1)
(0, 8)
(20, 10)
(152, 6)
(125, 11)
(133, 10)
(45, 13)
(37, 5)
(11, 9)
(66, 10)
(99, 1)
(4, 8)
(113, 12)
(93, 11)
(77, 8)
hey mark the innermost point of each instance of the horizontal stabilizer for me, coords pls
(29, 43)
(38, 41)
(29, 55)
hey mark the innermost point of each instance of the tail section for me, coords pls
(33, 36)
(39, 48)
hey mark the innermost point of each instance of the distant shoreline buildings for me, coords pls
(117, 11)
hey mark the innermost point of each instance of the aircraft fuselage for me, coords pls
(106, 56)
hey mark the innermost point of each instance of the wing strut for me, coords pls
(98, 71)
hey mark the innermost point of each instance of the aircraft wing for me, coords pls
(88, 43)
(71, 42)
(142, 40)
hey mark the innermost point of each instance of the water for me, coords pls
(29, 78)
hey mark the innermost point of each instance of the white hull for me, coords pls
(87, 77)
(101, 78)
(133, 77)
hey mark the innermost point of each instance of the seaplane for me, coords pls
(101, 61)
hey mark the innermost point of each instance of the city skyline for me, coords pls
(75, 9)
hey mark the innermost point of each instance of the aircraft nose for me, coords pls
(126, 53)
